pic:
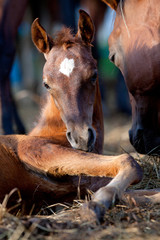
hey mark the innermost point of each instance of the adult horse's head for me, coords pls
(70, 75)
(135, 48)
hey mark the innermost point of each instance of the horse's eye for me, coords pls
(94, 78)
(112, 58)
(46, 86)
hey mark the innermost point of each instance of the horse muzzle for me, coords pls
(145, 141)
(82, 138)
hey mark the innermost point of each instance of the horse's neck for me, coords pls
(51, 125)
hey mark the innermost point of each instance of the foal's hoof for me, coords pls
(98, 209)
(102, 200)
(93, 211)
(105, 196)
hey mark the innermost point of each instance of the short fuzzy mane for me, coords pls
(65, 37)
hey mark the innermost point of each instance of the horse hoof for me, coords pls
(105, 196)
(93, 211)
(102, 200)
(98, 209)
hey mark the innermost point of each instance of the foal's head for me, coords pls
(70, 75)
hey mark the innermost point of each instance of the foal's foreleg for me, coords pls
(60, 161)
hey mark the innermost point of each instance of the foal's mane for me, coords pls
(66, 38)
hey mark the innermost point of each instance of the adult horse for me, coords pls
(135, 48)
(43, 165)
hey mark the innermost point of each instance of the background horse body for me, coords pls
(135, 48)
(43, 166)
(9, 22)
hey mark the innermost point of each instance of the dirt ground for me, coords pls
(123, 221)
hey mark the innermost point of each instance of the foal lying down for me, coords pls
(48, 164)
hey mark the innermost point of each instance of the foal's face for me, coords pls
(70, 75)
(135, 48)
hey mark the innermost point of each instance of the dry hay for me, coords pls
(121, 222)
(151, 172)
(72, 222)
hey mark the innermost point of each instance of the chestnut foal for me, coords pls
(48, 164)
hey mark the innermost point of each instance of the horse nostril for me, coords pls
(83, 140)
(131, 136)
(91, 137)
(72, 138)
(69, 137)
(139, 132)
(136, 136)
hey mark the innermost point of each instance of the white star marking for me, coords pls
(67, 66)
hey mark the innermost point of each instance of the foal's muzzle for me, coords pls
(82, 139)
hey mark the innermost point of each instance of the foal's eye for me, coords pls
(46, 86)
(94, 78)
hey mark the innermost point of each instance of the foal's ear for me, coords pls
(85, 27)
(112, 3)
(41, 39)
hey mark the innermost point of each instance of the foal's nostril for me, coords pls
(69, 137)
(72, 137)
(83, 139)
(91, 137)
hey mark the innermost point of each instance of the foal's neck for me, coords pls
(50, 124)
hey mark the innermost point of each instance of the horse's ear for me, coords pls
(40, 38)
(112, 3)
(85, 27)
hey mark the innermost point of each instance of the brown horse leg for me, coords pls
(9, 110)
(34, 186)
(37, 165)
(17, 120)
(57, 161)
(142, 197)
(12, 13)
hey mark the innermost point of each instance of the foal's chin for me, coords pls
(83, 147)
